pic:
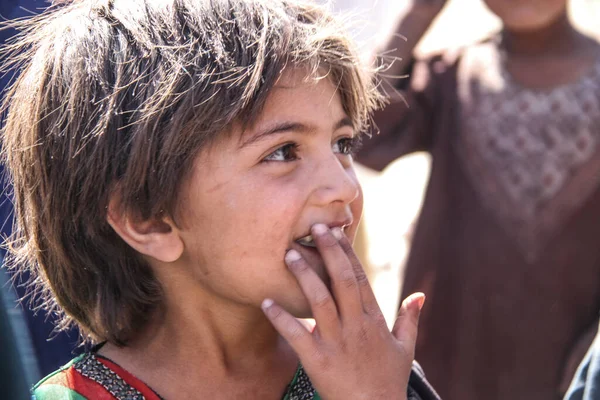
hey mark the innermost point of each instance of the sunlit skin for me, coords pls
(252, 197)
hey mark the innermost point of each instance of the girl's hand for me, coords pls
(351, 353)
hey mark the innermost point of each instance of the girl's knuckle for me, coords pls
(379, 319)
(363, 335)
(295, 332)
(328, 241)
(362, 280)
(275, 313)
(322, 299)
(299, 266)
(322, 360)
(347, 279)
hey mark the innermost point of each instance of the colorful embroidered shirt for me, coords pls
(92, 377)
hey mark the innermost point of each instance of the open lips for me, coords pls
(308, 240)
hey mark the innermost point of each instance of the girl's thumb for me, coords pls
(407, 324)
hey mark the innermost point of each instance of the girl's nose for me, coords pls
(336, 183)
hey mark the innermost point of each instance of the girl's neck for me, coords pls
(560, 37)
(226, 351)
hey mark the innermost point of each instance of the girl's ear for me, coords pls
(157, 238)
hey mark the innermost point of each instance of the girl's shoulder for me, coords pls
(92, 377)
(59, 384)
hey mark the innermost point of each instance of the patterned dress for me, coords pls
(506, 246)
(530, 154)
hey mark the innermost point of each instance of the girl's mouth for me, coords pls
(308, 240)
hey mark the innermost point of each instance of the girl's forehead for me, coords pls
(287, 102)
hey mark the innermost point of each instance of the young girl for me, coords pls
(506, 245)
(184, 191)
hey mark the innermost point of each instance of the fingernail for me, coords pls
(266, 304)
(421, 301)
(319, 229)
(291, 256)
(337, 233)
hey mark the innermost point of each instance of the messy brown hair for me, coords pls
(116, 98)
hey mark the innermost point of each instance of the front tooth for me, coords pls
(306, 240)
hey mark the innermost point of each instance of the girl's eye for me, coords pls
(347, 146)
(286, 153)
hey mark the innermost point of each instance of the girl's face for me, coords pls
(527, 15)
(255, 195)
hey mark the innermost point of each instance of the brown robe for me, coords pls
(511, 270)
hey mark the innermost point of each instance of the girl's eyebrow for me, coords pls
(289, 126)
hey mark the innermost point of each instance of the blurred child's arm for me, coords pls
(403, 126)
(409, 29)
(406, 123)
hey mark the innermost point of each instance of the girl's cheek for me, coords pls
(356, 207)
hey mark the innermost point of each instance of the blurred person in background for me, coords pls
(506, 244)
(41, 350)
